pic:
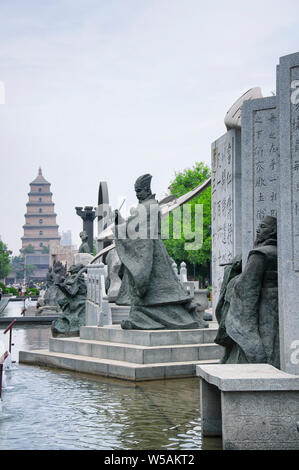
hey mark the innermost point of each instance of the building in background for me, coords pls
(40, 227)
(66, 238)
(40, 219)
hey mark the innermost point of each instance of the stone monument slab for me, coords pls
(288, 217)
(260, 166)
(226, 204)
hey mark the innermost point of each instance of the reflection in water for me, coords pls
(48, 409)
(55, 409)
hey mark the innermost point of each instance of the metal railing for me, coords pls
(2, 359)
(9, 329)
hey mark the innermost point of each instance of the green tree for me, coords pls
(198, 261)
(29, 268)
(4, 260)
(29, 249)
(45, 249)
(17, 265)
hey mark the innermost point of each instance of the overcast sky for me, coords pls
(106, 90)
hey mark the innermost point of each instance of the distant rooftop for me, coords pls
(40, 179)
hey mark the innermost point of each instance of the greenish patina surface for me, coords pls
(72, 304)
(157, 298)
(247, 310)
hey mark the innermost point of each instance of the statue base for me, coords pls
(131, 354)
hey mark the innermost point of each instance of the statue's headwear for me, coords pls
(143, 181)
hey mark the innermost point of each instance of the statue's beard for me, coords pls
(262, 238)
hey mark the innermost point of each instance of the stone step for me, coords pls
(119, 313)
(111, 368)
(135, 353)
(115, 334)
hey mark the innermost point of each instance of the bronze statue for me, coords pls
(72, 304)
(149, 285)
(84, 247)
(56, 275)
(248, 320)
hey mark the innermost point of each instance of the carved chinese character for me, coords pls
(273, 148)
(296, 165)
(223, 177)
(260, 182)
(273, 164)
(229, 153)
(296, 123)
(259, 133)
(258, 151)
(219, 208)
(259, 166)
(260, 214)
(258, 119)
(272, 118)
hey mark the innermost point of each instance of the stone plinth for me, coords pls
(130, 354)
(253, 406)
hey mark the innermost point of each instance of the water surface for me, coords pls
(54, 409)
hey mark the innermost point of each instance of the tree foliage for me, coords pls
(4, 260)
(29, 249)
(18, 266)
(184, 182)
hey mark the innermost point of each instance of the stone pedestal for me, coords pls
(130, 354)
(253, 406)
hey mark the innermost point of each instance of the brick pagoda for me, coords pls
(40, 220)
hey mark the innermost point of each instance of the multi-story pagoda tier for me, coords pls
(40, 219)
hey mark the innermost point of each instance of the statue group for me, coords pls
(247, 310)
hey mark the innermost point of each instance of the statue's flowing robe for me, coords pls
(230, 276)
(157, 298)
(252, 318)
